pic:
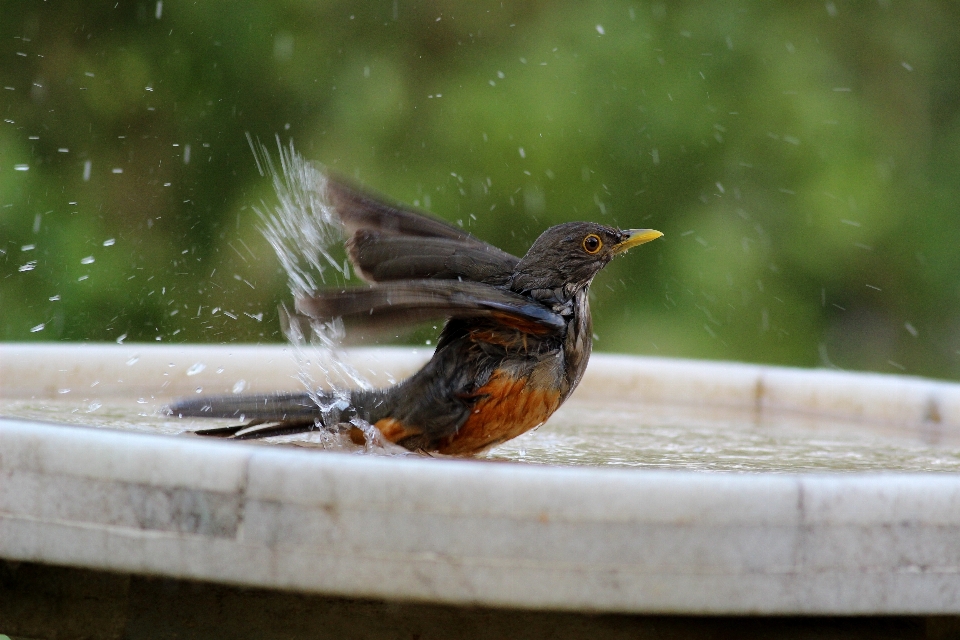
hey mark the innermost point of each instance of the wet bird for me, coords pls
(514, 347)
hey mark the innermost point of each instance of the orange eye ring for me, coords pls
(592, 244)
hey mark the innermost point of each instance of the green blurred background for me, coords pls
(803, 160)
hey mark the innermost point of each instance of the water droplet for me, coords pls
(239, 386)
(93, 406)
(600, 29)
(62, 391)
(109, 242)
(30, 266)
(88, 260)
(196, 368)
(121, 338)
(21, 167)
(37, 328)
(133, 360)
(199, 389)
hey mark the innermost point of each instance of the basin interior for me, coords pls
(607, 422)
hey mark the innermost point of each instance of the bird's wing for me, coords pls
(389, 242)
(380, 257)
(422, 300)
(360, 210)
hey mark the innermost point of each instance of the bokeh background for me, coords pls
(803, 160)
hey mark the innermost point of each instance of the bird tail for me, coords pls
(275, 414)
(274, 406)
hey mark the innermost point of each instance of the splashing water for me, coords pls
(301, 228)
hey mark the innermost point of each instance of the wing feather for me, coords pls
(422, 300)
(389, 242)
(382, 257)
(361, 210)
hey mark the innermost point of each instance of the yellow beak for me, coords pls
(636, 237)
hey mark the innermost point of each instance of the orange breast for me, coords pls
(507, 408)
(393, 430)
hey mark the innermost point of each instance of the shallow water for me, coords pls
(585, 434)
(590, 435)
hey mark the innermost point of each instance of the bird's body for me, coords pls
(516, 343)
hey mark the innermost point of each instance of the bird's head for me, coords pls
(569, 255)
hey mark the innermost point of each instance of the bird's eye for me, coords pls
(592, 243)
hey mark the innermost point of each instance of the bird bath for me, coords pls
(662, 486)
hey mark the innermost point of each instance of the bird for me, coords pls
(516, 340)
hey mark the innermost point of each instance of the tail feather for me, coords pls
(259, 408)
(285, 428)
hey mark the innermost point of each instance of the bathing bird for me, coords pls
(515, 343)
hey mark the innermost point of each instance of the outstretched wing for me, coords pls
(421, 300)
(361, 210)
(389, 242)
(382, 257)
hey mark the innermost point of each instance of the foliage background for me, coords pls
(803, 160)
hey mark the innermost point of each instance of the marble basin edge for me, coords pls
(476, 532)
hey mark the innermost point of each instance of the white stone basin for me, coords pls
(518, 535)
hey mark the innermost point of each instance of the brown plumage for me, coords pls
(514, 347)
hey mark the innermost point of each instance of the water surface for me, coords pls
(584, 433)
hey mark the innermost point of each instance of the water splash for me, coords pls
(303, 227)
(196, 368)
